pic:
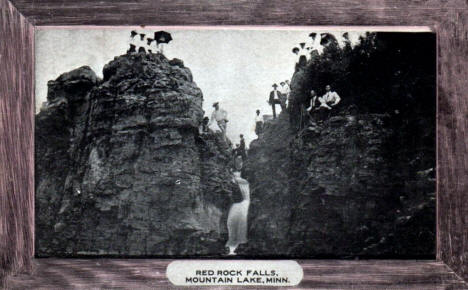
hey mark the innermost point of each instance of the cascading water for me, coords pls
(237, 217)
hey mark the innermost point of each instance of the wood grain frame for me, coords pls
(448, 18)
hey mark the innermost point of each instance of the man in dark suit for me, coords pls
(275, 98)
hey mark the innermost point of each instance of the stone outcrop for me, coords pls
(337, 190)
(120, 168)
(342, 188)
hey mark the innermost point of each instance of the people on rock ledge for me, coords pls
(320, 107)
(142, 43)
(310, 49)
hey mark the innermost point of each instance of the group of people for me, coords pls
(279, 96)
(304, 51)
(320, 107)
(146, 43)
(219, 115)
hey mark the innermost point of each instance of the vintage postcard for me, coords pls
(252, 142)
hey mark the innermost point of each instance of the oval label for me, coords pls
(234, 272)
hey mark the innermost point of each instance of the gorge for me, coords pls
(121, 170)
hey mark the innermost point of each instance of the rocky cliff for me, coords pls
(120, 168)
(347, 187)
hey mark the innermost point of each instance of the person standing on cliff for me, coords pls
(274, 99)
(220, 116)
(295, 50)
(287, 88)
(258, 123)
(132, 48)
(242, 147)
(283, 96)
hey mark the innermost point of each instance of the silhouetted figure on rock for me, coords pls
(203, 128)
(242, 148)
(295, 50)
(258, 123)
(162, 38)
(141, 43)
(314, 108)
(274, 99)
(132, 45)
(283, 89)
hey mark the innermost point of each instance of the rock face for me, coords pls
(268, 172)
(346, 187)
(121, 169)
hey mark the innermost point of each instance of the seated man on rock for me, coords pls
(203, 128)
(331, 98)
(321, 106)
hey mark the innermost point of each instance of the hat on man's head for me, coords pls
(275, 85)
(133, 33)
(302, 44)
(282, 83)
(215, 104)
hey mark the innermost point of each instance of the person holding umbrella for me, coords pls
(162, 37)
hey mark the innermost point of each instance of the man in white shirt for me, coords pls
(283, 95)
(258, 123)
(220, 116)
(285, 89)
(331, 98)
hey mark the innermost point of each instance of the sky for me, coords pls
(232, 66)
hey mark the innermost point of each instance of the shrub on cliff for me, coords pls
(392, 73)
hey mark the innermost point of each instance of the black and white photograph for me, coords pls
(242, 142)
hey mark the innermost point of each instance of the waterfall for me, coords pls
(237, 217)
